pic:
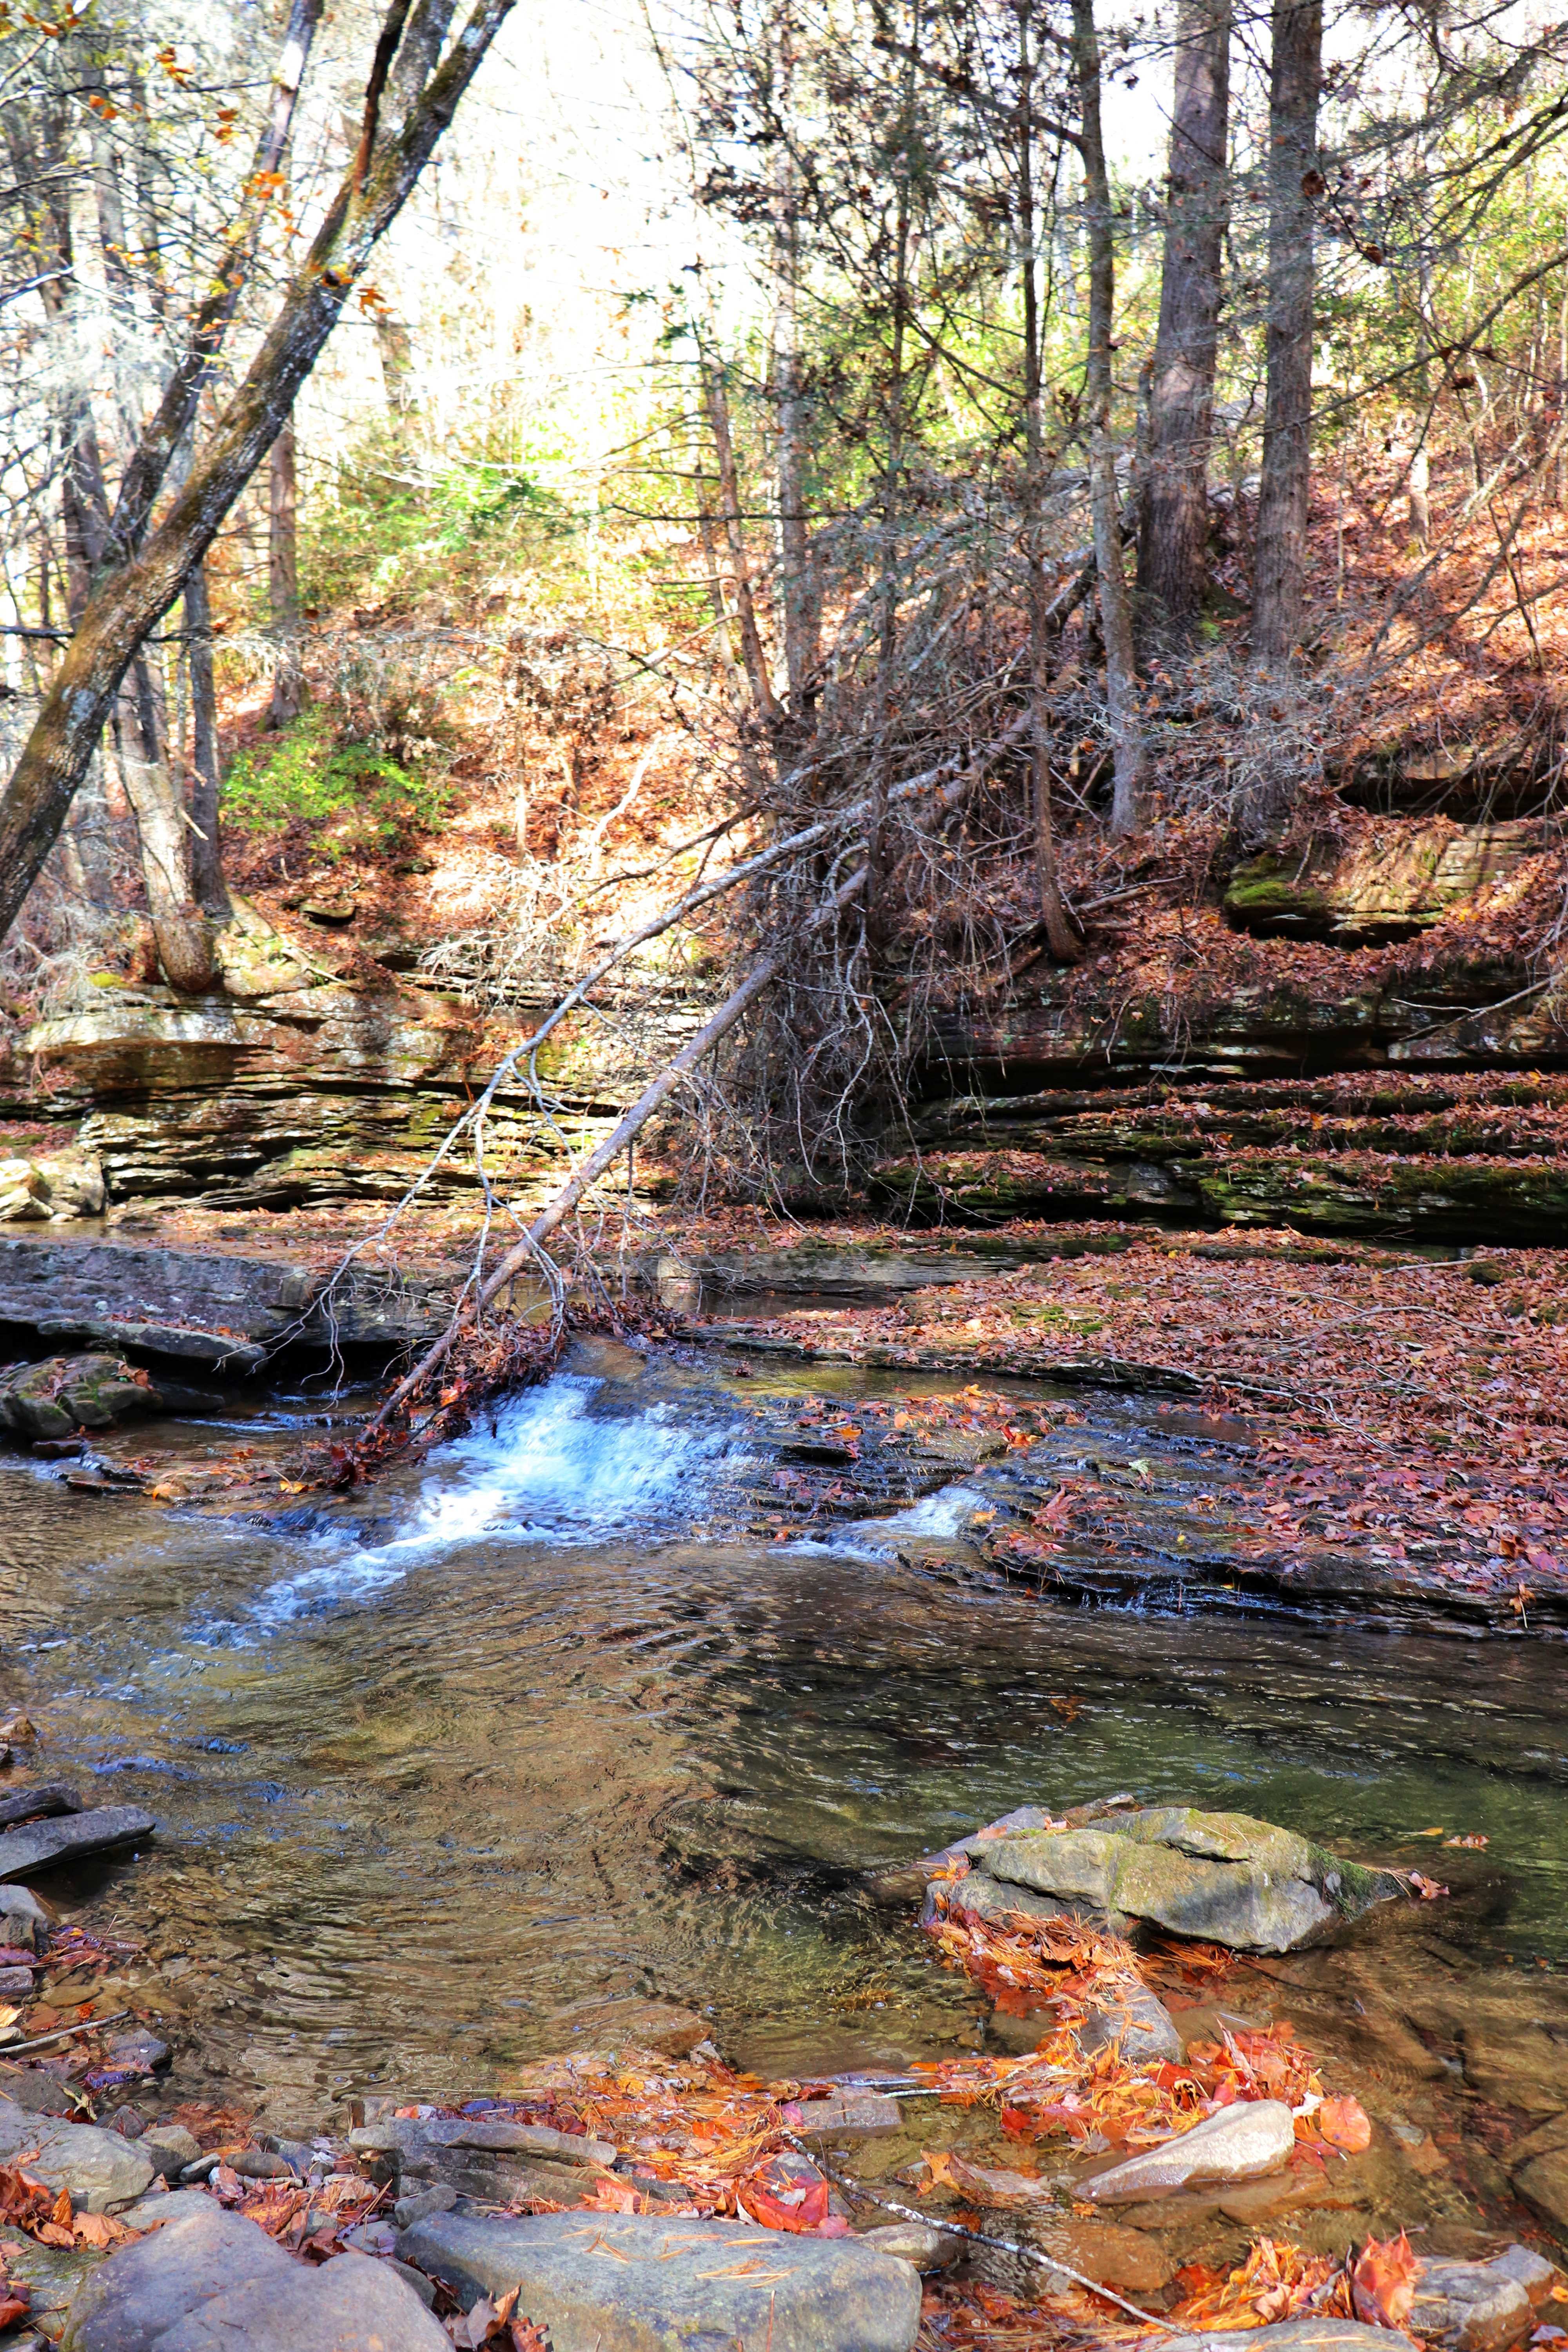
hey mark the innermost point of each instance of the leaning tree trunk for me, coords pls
(129, 600)
(1282, 552)
(1129, 758)
(1173, 540)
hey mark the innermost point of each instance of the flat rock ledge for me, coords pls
(631, 2282)
(1223, 1878)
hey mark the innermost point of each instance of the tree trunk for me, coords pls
(206, 848)
(283, 580)
(1281, 560)
(752, 654)
(1060, 937)
(802, 606)
(1128, 755)
(163, 838)
(129, 600)
(1170, 556)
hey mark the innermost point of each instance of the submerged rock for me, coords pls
(1240, 2143)
(627, 2283)
(1543, 2184)
(1225, 1878)
(1137, 2021)
(42, 1845)
(924, 2243)
(651, 2025)
(101, 2169)
(214, 2282)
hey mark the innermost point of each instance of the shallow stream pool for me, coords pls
(528, 1726)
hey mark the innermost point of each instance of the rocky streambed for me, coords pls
(1142, 2146)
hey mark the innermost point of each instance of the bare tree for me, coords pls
(1294, 183)
(283, 579)
(1174, 534)
(145, 570)
(1128, 757)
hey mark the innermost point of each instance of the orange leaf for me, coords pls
(1343, 2124)
(1382, 2283)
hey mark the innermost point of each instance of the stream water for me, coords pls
(530, 1728)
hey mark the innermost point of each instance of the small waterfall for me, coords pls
(548, 1469)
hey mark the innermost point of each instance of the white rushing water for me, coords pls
(549, 1471)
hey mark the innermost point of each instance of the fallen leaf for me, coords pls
(1383, 2281)
(785, 2192)
(1343, 2124)
(1427, 1888)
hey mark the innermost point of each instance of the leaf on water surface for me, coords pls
(1426, 1889)
(1475, 1842)
(1383, 2281)
(1343, 2124)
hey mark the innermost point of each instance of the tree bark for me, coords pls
(129, 600)
(206, 848)
(1128, 755)
(1281, 560)
(1173, 542)
(752, 654)
(162, 838)
(1060, 937)
(283, 580)
(802, 606)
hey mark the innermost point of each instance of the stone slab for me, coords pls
(47, 1845)
(625, 2282)
(1245, 2142)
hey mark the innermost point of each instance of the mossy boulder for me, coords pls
(74, 1392)
(1225, 1878)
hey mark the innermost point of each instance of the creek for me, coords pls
(539, 1721)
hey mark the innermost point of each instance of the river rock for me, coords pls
(847, 2115)
(493, 2161)
(1137, 2021)
(103, 2170)
(36, 2090)
(37, 1802)
(1479, 2306)
(1240, 2143)
(923, 2243)
(1543, 2184)
(169, 2147)
(214, 2282)
(1225, 1878)
(1292, 2335)
(44, 1845)
(627, 2283)
(658, 2025)
(24, 1922)
(71, 1392)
